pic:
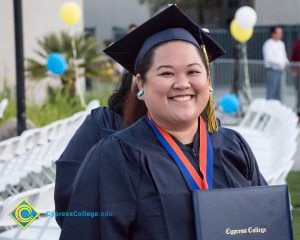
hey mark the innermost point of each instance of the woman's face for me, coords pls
(176, 86)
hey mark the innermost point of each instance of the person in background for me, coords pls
(139, 180)
(101, 122)
(275, 60)
(296, 72)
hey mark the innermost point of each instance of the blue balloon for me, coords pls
(56, 63)
(230, 103)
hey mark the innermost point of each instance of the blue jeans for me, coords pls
(274, 81)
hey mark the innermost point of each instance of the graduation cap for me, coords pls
(133, 46)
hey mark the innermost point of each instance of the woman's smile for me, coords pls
(182, 98)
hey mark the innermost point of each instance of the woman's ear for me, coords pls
(140, 86)
(139, 81)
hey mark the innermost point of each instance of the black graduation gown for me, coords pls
(130, 175)
(97, 125)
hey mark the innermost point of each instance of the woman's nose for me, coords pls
(181, 82)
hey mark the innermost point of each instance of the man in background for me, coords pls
(275, 60)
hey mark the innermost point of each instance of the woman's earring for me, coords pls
(211, 90)
(140, 93)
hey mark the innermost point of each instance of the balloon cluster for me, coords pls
(70, 14)
(241, 27)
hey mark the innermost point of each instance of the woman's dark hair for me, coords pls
(117, 100)
(135, 108)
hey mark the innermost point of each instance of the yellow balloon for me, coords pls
(70, 13)
(240, 34)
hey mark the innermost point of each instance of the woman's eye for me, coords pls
(166, 74)
(194, 72)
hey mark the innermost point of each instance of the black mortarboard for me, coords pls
(127, 49)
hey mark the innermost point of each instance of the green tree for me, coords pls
(88, 58)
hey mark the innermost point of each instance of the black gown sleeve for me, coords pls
(100, 123)
(107, 182)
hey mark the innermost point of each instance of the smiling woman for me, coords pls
(145, 173)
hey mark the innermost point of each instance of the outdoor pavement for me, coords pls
(289, 99)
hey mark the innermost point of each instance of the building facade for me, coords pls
(274, 12)
(104, 18)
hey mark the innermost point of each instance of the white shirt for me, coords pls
(274, 54)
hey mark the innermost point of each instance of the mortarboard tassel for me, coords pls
(210, 110)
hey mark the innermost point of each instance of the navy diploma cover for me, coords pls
(252, 213)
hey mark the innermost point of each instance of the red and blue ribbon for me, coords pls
(205, 156)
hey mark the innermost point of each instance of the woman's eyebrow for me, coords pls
(192, 64)
(169, 66)
(163, 66)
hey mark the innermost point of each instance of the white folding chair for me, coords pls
(270, 128)
(46, 199)
(92, 105)
(3, 106)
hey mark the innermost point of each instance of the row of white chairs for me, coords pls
(32, 169)
(39, 136)
(28, 161)
(271, 130)
(27, 166)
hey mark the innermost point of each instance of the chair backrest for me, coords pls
(46, 199)
(45, 132)
(3, 106)
(92, 105)
(31, 137)
(263, 114)
(7, 150)
(57, 129)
